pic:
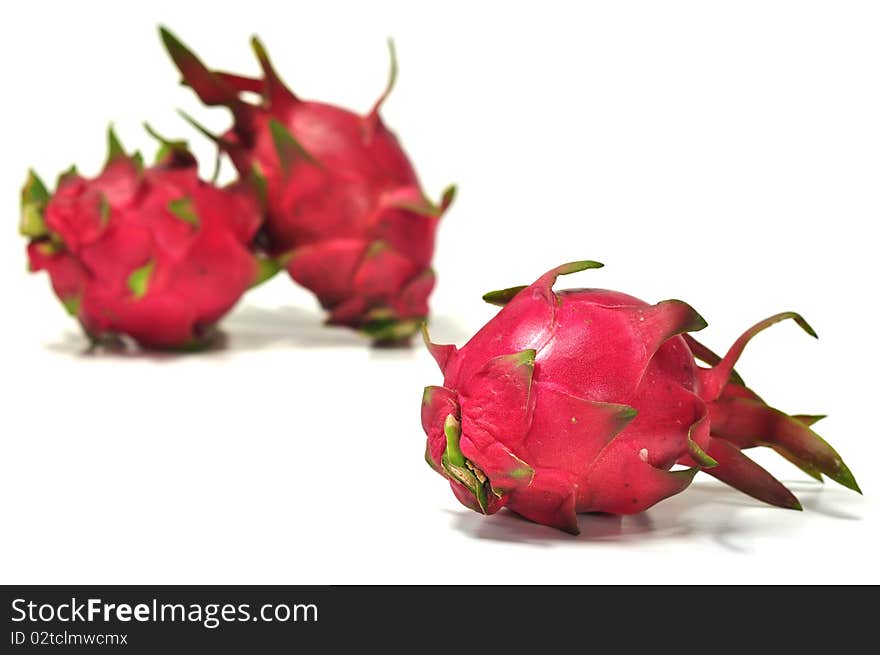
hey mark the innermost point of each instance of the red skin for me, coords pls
(343, 205)
(583, 400)
(102, 230)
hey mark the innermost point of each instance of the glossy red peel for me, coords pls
(584, 400)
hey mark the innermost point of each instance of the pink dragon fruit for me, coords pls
(585, 399)
(345, 212)
(152, 253)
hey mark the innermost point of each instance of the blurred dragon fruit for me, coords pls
(344, 209)
(149, 252)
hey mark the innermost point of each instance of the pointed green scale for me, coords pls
(184, 210)
(389, 86)
(34, 198)
(139, 280)
(289, 150)
(809, 419)
(502, 296)
(423, 208)
(393, 68)
(72, 305)
(258, 178)
(275, 92)
(219, 141)
(525, 358)
(66, 175)
(842, 475)
(49, 247)
(208, 86)
(166, 146)
(684, 474)
(518, 363)
(699, 455)
(267, 268)
(260, 51)
(802, 322)
(691, 321)
(114, 146)
(576, 267)
(426, 207)
(138, 160)
(105, 210)
(375, 248)
(199, 127)
(448, 196)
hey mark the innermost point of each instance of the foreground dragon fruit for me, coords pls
(152, 253)
(345, 211)
(583, 400)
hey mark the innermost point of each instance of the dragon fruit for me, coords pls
(153, 253)
(344, 208)
(585, 399)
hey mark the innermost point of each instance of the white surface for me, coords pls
(724, 153)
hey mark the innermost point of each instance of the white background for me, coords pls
(727, 154)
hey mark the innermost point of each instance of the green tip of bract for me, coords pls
(166, 146)
(698, 323)
(375, 248)
(845, 477)
(502, 296)
(198, 126)
(183, 209)
(690, 320)
(267, 268)
(809, 419)
(393, 69)
(139, 280)
(172, 43)
(153, 133)
(448, 196)
(806, 327)
(423, 328)
(184, 58)
(700, 456)
(72, 305)
(259, 49)
(114, 146)
(66, 175)
(105, 209)
(392, 79)
(34, 198)
(287, 147)
(258, 180)
(575, 267)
